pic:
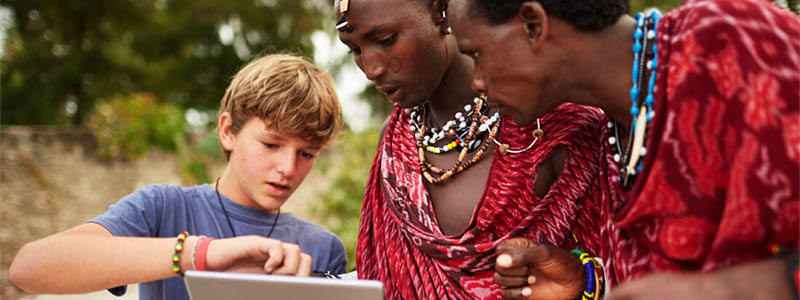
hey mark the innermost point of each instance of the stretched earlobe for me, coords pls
(534, 21)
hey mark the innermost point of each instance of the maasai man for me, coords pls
(449, 182)
(703, 135)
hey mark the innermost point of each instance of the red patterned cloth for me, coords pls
(721, 177)
(400, 242)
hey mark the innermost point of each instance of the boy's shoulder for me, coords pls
(169, 191)
(311, 230)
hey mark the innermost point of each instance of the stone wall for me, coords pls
(51, 180)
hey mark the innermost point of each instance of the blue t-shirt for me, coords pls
(166, 211)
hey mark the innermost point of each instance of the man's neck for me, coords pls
(605, 60)
(454, 91)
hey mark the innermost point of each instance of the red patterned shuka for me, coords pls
(720, 181)
(400, 242)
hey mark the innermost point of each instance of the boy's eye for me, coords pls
(307, 155)
(270, 146)
(355, 51)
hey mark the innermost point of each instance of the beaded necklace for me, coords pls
(455, 129)
(537, 134)
(644, 51)
(434, 174)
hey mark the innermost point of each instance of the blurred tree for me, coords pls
(60, 57)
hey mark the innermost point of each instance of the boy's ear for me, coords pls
(226, 135)
(533, 18)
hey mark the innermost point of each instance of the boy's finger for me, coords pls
(305, 265)
(291, 259)
(275, 256)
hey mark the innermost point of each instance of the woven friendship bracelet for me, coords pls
(176, 258)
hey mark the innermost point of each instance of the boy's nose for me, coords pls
(286, 166)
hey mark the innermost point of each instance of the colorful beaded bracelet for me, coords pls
(176, 258)
(592, 281)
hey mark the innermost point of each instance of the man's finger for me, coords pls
(536, 254)
(512, 244)
(514, 281)
(513, 271)
(516, 293)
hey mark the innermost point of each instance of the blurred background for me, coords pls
(98, 98)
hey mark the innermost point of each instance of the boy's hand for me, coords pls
(528, 270)
(255, 254)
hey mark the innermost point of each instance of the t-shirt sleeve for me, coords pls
(338, 261)
(134, 215)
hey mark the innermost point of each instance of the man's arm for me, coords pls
(766, 279)
(88, 258)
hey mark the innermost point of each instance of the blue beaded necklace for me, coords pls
(644, 70)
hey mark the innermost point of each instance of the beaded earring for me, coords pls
(342, 25)
(446, 29)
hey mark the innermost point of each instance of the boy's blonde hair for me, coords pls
(290, 94)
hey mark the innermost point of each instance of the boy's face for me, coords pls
(267, 165)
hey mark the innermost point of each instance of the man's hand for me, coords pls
(527, 270)
(254, 254)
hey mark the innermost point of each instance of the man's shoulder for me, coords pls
(697, 15)
(570, 117)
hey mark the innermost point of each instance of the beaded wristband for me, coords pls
(202, 250)
(592, 282)
(176, 258)
(194, 247)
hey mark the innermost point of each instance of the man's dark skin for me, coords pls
(554, 61)
(399, 46)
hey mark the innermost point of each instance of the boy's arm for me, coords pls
(88, 258)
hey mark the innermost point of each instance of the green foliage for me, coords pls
(663, 5)
(339, 207)
(125, 126)
(76, 52)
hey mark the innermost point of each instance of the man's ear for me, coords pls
(226, 135)
(533, 18)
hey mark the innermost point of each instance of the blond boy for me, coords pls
(277, 114)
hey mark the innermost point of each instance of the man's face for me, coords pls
(268, 166)
(398, 47)
(506, 67)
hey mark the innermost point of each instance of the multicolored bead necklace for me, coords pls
(434, 174)
(644, 51)
(455, 129)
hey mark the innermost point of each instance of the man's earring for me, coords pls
(443, 22)
(530, 34)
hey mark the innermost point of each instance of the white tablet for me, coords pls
(219, 286)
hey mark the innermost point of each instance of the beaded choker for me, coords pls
(465, 136)
(644, 51)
